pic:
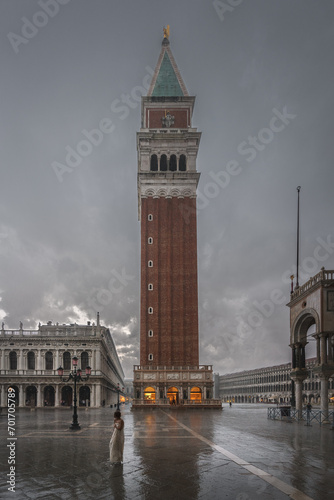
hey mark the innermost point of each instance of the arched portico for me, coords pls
(31, 396)
(49, 396)
(66, 396)
(196, 394)
(173, 395)
(312, 304)
(149, 394)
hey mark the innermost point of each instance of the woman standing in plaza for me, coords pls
(116, 445)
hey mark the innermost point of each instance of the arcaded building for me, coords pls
(271, 385)
(29, 360)
(167, 146)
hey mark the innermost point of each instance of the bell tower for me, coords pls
(167, 146)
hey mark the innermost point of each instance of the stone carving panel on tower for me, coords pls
(196, 376)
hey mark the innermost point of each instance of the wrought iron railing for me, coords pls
(308, 416)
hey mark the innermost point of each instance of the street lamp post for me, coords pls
(76, 376)
(118, 391)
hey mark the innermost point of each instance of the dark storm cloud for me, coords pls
(70, 247)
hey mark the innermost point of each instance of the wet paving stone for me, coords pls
(236, 454)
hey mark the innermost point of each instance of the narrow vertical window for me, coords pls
(13, 360)
(84, 360)
(31, 360)
(172, 163)
(150, 310)
(49, 361)
(150, 286)
(150, 241)
(67, 360)
(150, 333)
(163, 163)
(150, 217)
(150, 357)
(154, 163)
(183, 163)
(150, 263)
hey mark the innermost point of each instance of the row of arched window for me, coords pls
(31, 360)
(171, 164)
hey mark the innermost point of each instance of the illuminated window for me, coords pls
(150, 286)
(150, 263)
(196, 394)
(149, 393)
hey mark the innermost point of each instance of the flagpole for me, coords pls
(297, 274)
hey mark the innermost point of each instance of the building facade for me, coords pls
(167, 147)
(29, 360)
(312, 304)
(271, 385)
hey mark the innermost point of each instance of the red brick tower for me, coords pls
(167, 147)
(167, 181)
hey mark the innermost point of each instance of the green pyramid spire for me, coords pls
(167, 80)
(167, 83)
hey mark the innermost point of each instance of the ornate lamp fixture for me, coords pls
(75, 375)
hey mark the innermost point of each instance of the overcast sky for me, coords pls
(262, 74)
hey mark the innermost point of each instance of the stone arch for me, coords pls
(186, 192)
(49, 395)
(149, 394)
(149, 192)
(84, 396)
(66, 395)
(196, 394)
(173, 395)
(162, 192)
(175, 192)
(31, 396)
(302, 323)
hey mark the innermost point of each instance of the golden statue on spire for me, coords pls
(166, 32)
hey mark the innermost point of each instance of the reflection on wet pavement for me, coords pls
(169, 454)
